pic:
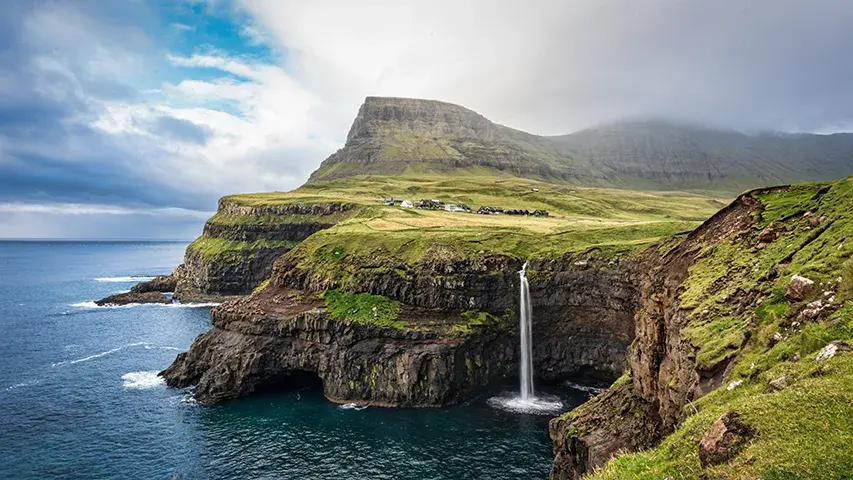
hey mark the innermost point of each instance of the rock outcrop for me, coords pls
(240, 243)
(133, 297)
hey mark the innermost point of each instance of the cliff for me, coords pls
(721, 331)
(402, 136)
(239, 244)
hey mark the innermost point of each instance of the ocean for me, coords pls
(80, 399)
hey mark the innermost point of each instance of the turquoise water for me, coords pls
(79, 398)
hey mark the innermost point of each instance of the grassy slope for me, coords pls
(580, 217)
(806, 430)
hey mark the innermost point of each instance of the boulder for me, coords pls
(133, 297)
(799, 288)
(724, 440)
(830, 350)
(780, 383)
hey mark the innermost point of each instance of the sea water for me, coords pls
(80, 396)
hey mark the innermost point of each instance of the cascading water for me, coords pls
(526, 402)
(526, 330)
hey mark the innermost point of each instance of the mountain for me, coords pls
(397, 135)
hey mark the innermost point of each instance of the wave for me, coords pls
(28, 383)
(352, 406)
(92, 305)
(123, 279)
(589, 389)
(98, 355)
(143, 380)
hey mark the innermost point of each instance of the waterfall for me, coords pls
(526, 330)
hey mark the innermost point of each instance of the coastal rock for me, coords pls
(134, 297)
(160, 283)
(724, 440)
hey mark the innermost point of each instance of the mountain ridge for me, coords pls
(392, 135)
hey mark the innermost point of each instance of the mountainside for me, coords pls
(397, 135)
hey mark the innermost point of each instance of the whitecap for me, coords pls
(97, 355)
(28, 383)
(537, 405)
(585, 388)
(352, 406)
(92, 305)
(123, 279)
(143, 380)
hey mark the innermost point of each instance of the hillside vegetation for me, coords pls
(796, 402)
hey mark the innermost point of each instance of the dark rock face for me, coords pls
(618, 420)
(664, 376)
(159, 283)
(133, 297)
(365, 364)
(237, 272)
(724, 440)
(258, 341)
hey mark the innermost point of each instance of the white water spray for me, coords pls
(527, 402)
(526, 327)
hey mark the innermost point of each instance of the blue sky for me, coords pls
(129, 118)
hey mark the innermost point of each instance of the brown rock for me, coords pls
(724, 440)
(799, 288)
(767, 235)
(161, 283)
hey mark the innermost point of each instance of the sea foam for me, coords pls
(123, 279)
(142, 380)
(92, 305)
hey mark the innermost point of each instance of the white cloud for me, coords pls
(94, 209)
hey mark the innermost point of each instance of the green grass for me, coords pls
(229, 251)
(363, 308)
(803, 432)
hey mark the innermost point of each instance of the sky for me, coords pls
(130, 118)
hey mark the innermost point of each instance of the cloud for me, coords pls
(557, 66)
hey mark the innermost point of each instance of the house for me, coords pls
(452, 207)
(391, 201)
(406, 204)
(534, 189)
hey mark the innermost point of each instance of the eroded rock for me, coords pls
(160, 283)
(724, 440)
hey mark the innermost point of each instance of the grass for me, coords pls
(363, 308)
(804, 431)
(229, 251)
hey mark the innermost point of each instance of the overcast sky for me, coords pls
(129, 118)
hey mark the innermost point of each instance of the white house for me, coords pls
(406, 204)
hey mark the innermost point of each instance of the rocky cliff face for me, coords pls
(240, 243)
(584, 310)
(712, 294)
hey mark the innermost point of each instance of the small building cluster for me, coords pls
(432, 204)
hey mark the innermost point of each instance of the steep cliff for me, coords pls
(719, 310)
(239, 244)
(452, 333)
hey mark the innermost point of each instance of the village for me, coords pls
(433, 204)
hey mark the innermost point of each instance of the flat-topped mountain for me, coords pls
(397, 135)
